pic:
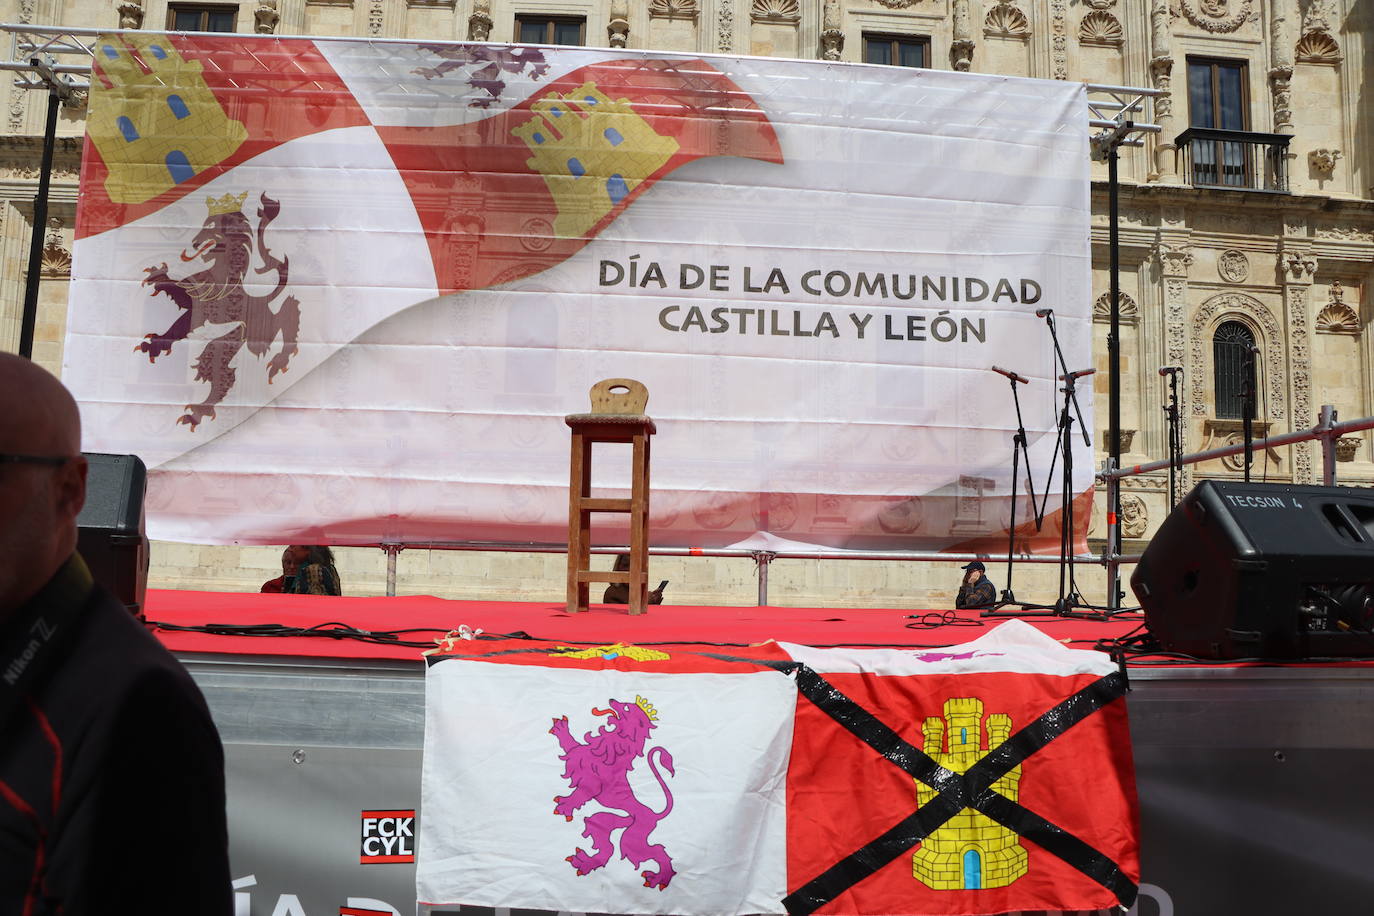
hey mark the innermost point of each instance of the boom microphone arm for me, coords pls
(1048, 315)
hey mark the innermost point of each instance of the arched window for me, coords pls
(1233, 369)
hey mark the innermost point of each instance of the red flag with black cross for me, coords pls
(990, 777)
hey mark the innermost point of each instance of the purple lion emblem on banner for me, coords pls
(597, 768)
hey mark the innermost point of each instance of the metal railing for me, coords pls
(1237, 159)
(1327, 431)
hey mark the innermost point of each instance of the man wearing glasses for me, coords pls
(111, 772)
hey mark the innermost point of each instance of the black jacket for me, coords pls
(112, 771)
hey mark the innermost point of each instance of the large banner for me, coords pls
(346, 291)
(988, 777)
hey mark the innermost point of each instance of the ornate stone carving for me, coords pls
(1297, 266)
(1317, 48)
(783, 11)
(1173, 261)
(1059, 39)
(1129, 312)
(1216, 15)
(1126, 437)
(56, 259)
(674, 9)
(1101, 29)
(1161, 70)
(130, 14)
(1346, 446)
(1233, 266)
(1337, 317)
(376, 17)
(1317, 44)
(1254, 313)
(618, 29)
(479, 23)
(1323, 161)
(1345, 233)
(1281, 88)
(266, 17)
(1135, 518)
(1221, 433)
(1300, 356)
(725, 27)
(1005, 20)
(896, 4)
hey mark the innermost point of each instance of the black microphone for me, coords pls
(1079, 374)
(1169, 370)
(1042, 313)
(1011, 375)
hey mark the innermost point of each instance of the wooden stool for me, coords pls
(617, 416)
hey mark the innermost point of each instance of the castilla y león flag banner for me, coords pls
(342, 291)
(989, 777)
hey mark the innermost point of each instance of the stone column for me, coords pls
(618, 30)
(1161, 70)
(1281, 64)
(1172, 261)
(266, 17)
(961, 49)
(1297, 269)
(832, 31)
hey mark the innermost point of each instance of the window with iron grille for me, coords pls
(200, 17)
(896, 50)
(551, 30)
(1233, 368)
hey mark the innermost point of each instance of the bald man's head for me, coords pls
(39, 500)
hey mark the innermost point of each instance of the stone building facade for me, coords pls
(1248, 221)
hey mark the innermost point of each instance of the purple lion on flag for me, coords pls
(597, 768)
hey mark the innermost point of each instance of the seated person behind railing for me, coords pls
(317, 575)
(976, 591)
(619, 592)
(290, 562)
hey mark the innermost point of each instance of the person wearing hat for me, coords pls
(976, 591)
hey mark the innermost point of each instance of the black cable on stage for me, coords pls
(933, 620)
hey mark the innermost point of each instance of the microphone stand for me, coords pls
(1175, 440)
(1070, 599)
(1063, 448)
(1247, 410)
(1064, 369)
(1018, 448)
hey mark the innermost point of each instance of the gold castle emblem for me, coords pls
(592, 152)
(970, 850)
(153, 119)
(614, 650)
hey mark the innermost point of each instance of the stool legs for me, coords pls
(581, 505)
(579, 522)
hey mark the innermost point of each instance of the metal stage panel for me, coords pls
(1255, 784)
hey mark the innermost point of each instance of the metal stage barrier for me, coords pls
(1254, 784)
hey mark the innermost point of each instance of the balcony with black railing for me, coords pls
(1236, 159)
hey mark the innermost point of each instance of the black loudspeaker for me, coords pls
(1254, 570)
(111, 536)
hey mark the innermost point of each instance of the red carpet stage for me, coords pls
(887, 627)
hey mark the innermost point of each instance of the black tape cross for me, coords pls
(971, 789)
